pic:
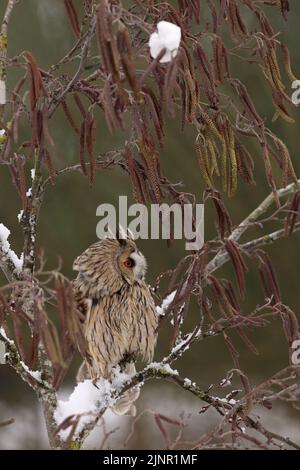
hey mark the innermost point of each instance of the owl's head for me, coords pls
(106, 265)
(130, 261)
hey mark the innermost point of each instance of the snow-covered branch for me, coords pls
(12, 357)
(10, 263)
(75, 422)
(78, 416)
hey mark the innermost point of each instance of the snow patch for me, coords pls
(3, 334)
(159, 366)
(167, 36)
(36, 374)
(88, 398)
(231, 401)
(119, 378)
(188, 383)
(20, 215)
(85, 400)
(184, 345)
(4, 234)
(161, 310)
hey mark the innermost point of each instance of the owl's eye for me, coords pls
(129, 263)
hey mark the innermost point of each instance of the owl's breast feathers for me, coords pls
(117, 325)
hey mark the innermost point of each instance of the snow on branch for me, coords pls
(10, 263)
(161, 310)
(87, 403)
(12, 357)
(83, 402)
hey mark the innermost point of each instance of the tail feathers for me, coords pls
(124, 405)
(82, 373)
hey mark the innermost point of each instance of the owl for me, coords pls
(120, 319)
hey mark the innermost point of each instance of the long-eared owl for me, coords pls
(120, 318)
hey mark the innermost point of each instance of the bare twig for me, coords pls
(76, 76)
(7, 422)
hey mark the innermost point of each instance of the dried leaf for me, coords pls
(238, 264)
(73, 17)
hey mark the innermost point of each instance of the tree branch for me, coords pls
(76, 76)
(12, 358)
(269, 238)
(222, 256)
(3, 53)
(7, 266)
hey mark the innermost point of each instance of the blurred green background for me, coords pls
(68, 220)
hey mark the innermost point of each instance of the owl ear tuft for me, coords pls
(121, 235)
(130, 235)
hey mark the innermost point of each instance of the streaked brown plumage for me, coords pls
(120, 318)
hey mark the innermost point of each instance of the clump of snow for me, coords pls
(167, 36)
(3, 334)
(36, 374)
(227, 380)
(188, 383)
(2, 132)
(5, 246)
(181, 345)
(4, 233)
(20, 215)
(120, 378)
(231, 401)
(161, 310)
(225, 383)
(32, 172)
(85, 400)
(159, 366)
(18, 262)
(211, 332)
(88, 398)
(29, 192)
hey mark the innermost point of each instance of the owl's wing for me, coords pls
(143, 322)
(83, 303)
(86, 284)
